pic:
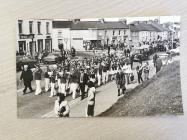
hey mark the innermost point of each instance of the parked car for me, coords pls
(24, 60)
(140, 57)
(141, 53)
(51, 58)
(174, 52)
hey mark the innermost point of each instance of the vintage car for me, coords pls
(140, 53)
(174, 52)
(52, 58)
(24, 60)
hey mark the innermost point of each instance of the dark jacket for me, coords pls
(100, 69)
(63, 78)
(26, 76)
(46, 75)
(120, 80)
(38, 74)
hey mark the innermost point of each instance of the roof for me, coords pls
(148, 27)
(81, 25)
(159, 27)
(143, 27)
(61, 24)
(85, 25)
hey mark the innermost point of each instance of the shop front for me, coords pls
(22, 47)
(40, 45)
(22, 43)
(32, 47)
(48, 45)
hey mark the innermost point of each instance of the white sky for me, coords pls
(163, 19)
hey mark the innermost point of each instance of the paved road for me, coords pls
(106, 96)
(31, 106)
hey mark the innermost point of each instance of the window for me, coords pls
(60, 41)
(105, 32)
(39, 27)
(20, 26)
(59, 34)
(47, 27)
(124, 32)
(113, 32)
(30, 26)
(119, 32)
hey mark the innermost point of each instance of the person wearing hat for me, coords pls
(104, 73)
(120, 81)
(59, 73)
(99, 73)
(53, 81)
(47, 79)
(27, 77)
(158, 64)
(63, 80)
(82, 83)
(73, 81)
(91, 97)
(38, 78)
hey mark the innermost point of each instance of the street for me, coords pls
(33, 106)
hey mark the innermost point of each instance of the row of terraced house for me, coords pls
(37, 35)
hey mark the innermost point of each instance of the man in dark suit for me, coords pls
(120, 81)
(83, 81)
(27, 77)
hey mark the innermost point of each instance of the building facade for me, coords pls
(148, 31)
(33, 36)
(84, 35)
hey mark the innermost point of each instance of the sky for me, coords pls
(163, 19)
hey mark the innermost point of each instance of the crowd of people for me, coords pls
(78, 78)
(81, 77)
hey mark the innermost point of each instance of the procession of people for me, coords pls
(79, 78)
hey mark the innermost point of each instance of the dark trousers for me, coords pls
(27, 85)
(140, 77)
(82, 89)
(90, 110)
(131, 64)
(157, 69)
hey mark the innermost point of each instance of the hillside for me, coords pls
(161, 95)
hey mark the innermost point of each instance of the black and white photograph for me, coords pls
(98, 67)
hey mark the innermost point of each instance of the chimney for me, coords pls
(150, 21)
(76, 21)
(136, 22)
(102, 20)
(145, 22)
(123, 20)
(156, 20)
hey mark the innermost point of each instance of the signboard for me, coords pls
(48, 37)
(23, 36)
(77, 38)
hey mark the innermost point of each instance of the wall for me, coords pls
(65, 37)
(25, 30)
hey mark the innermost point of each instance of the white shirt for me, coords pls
(57, 107)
